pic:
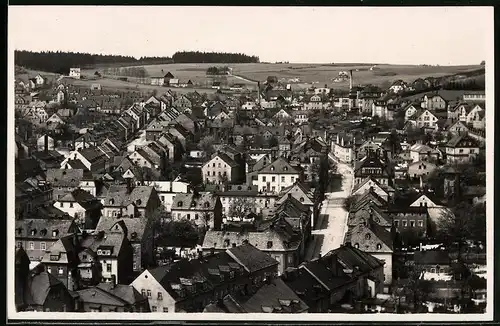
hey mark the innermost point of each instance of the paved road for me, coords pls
(332, 222)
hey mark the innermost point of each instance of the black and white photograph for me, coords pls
(239, 163)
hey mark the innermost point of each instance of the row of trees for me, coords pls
(139, 72)
(218, 70)
(213, 57)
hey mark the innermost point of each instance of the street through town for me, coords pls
(332, 223)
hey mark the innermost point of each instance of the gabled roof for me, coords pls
(279, 166)
(204, 202)
(99, 296)
(82, 197)
(38, 288)
(462, 140)
(135, 226)
(126, 293)
(251, 258)
(369, 237)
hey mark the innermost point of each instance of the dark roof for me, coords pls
(462, 140)
(125, 292)
(279, 166)
(82, 197)
(305, 285)
(273, 297)
(99, 296)
(38, 287)
(251, 258)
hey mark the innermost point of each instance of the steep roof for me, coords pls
(279, 166)
(251, 258)
(126, 293)
(133, 226)
(38, 288)
(100, 296)
(118, 196)
(368, 237)
(462, 140)
(82, 197)
(43, 228)
(64, 177)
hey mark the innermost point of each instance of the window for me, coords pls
(269, 244)
(49, 270)
(19, 244)
(32, 245)
(70, 205)
(412, 223)
(290, 259)
(61, 205)
(149, 293)
(292, 178)
(396, 223)
(189, 216)
(421, 223)
(283, 179)
(273, 179)
(165, 309)
(263, 179)
(404, 223)
(160, 296)
(143, 292)
(108, 268)
(43, 246)
(356, 245)
(60, 270)
(153, 308)
(379, 246)
(368, 236)
(433, 270)
(162, 198)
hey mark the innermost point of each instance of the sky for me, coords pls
(397, 35)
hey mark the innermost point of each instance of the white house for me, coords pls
(276, 176)
(74, 73)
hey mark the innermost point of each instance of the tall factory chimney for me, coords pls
(350, 79)
(258, 92)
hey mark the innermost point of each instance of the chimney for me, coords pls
(113, 281)
(46, 143)
(289, 196)
(350, 79)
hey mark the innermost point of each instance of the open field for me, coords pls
(309, 74)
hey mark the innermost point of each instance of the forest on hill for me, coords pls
(60, 62)
(212, 57)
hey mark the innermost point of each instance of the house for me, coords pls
(421, 169)
(54, 120)
(342, 275)
(74, 73)
(434, 102)
(109, 297)
(182, 103)
(343, 147)
(276, 237)
(82, 206)
(473, 114)
(167, 190)
(374, 166)
(458, 127)
(282, 114)
(478, 120)
(190, 285)
(37, 235)
(232, 194)
(95, 87)
(398, 86)
(462, 148)
(43, 293)
(435, 264)
(64, 181)
(474, 97)
(426, 119)
(300, 117)
(130, 201)
(86, 140)
(105, 256)
(60, 261)
(411, 219)
(158, 81)
(371, 184)
(45, 143)
(369, 213)
(220, 169)
(204, 209)
(316, 102)
(276, 176)
(375, 240)
(92, 158)
(139, 232)
(421, 152)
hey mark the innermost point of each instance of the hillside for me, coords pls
(305, 75)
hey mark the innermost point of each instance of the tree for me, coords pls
(455, 226)
(206, 144)
(350, 201)
(241, 207)
(182, 233)
(273, 142)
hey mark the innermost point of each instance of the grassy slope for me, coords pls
(308, 73)
(318, 74)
